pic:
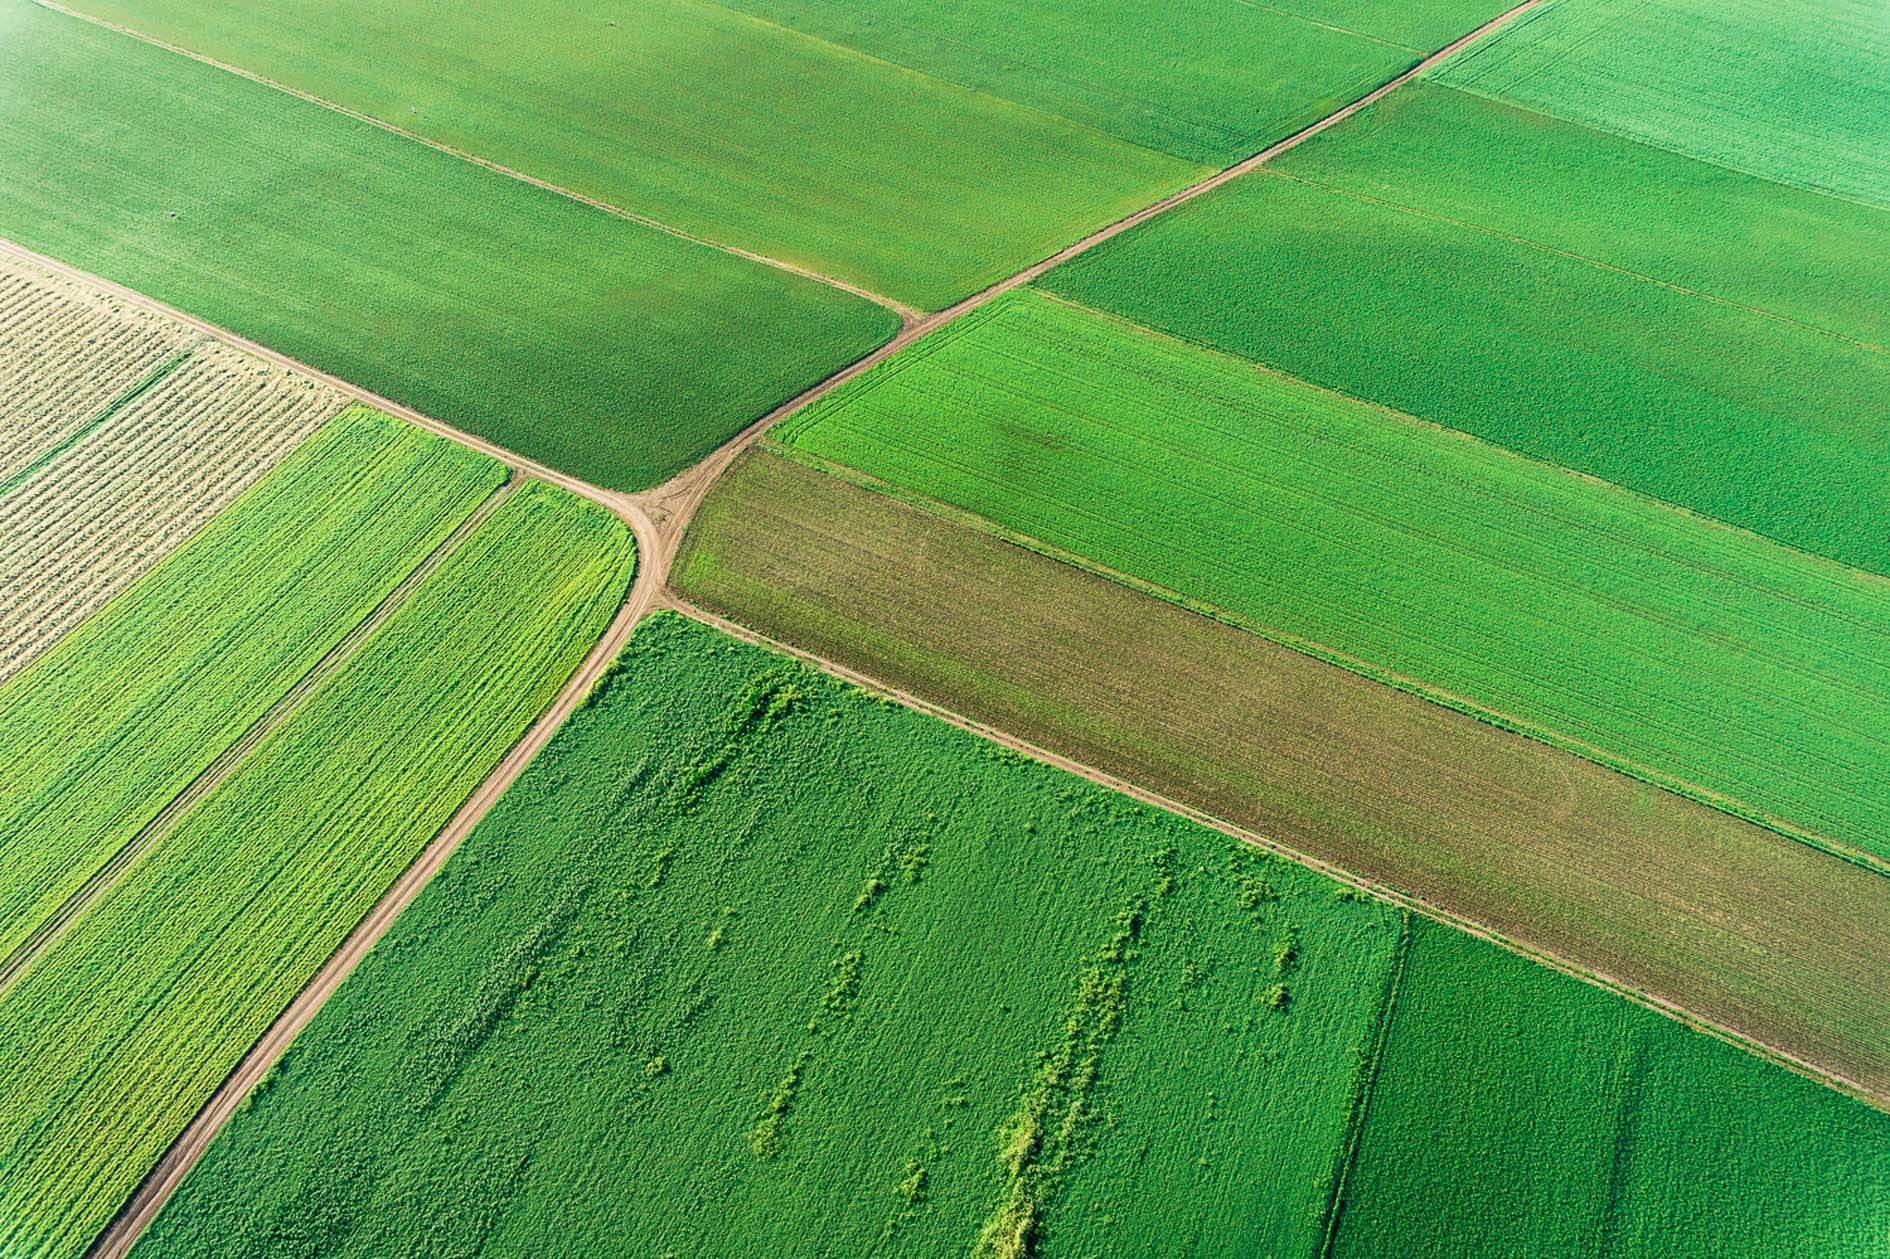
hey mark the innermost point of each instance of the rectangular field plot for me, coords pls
(610, 350)
(1799, 93)
(1737, 415)
(115, 1036)
(1209, 82)
(104, 730)
(708, 120)
(1516, 1112)
(1644, 637)
(1754, 930)
(872, 986)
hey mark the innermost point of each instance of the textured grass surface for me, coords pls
(1209, 82)
(1755, 422)
(607, 349)
(1648, 636)
(140, 477)
(713, 122)
(873, 987)
(1799, 93)
(115, 1036)
(105, 730)
(1797, 254)
(811, 948)
(1749, 928)
(1514, 1112)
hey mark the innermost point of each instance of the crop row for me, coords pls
(101, 732)
(119, 1032)
(65, 354)
(1645, 638)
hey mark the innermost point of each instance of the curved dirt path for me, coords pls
(657, 518)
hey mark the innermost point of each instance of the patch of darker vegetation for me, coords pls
(769, 697)
(1045, 1135)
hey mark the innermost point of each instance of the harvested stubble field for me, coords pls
(1797, 93)
(873, 986)
(1645, 638)
(1209, 82)
(114, 1037)
(66, 354)
(1736, 923)
(100, 734)
(605, 348)
(1729, 412)
(155, 467)
(903, 183)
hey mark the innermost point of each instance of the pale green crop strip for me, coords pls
(100, 733)
(113, 1039)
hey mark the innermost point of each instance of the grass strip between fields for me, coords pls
(114, 1037)
(102, 732)
(1753, 930)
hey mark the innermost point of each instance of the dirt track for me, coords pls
(658, 518)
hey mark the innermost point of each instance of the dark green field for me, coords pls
(611, 351)
(752, 964)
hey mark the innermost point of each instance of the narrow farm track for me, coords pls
(226, 761)
(907, 314)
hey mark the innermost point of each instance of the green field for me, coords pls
(101, 733)
(1799, 93)
(1751, 929)
(1206, 81)
(716, 123)
(869, 985)
(1648, 638)
(611, 351)
(114, 1037)
(1819, 260)
(1730, 413)
(1516, 1113)
(1428, 24)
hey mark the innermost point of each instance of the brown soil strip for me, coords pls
(907, 314)
(214, 773)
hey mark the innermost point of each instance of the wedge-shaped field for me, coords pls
(1732, 413)
(608, 349)
(148, 472)
(1788, 252)
(99, 736)
(713, 122)
(1645, 638)
(1751, 929)
(1210, 82)
(1799, 93)
(1515, 1113)
(66, 354)
(114, 1037)
(872, 986)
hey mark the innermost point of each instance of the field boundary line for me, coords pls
(1573, 256)
(1418, 689)
(1330, 26)
(1341, 874)
(674, 502)
(1364, 1086)
(226, 762)
(907, 314)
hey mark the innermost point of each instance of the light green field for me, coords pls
(1643, 637)
(751, 964)
(104, 730)
(1797, 254)
(1799, 93)
(1428, 24)
(712, 122)
(115, 1036)
(1737, 415)
(611, 351)
(1205, 80)
(1517, 1113)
